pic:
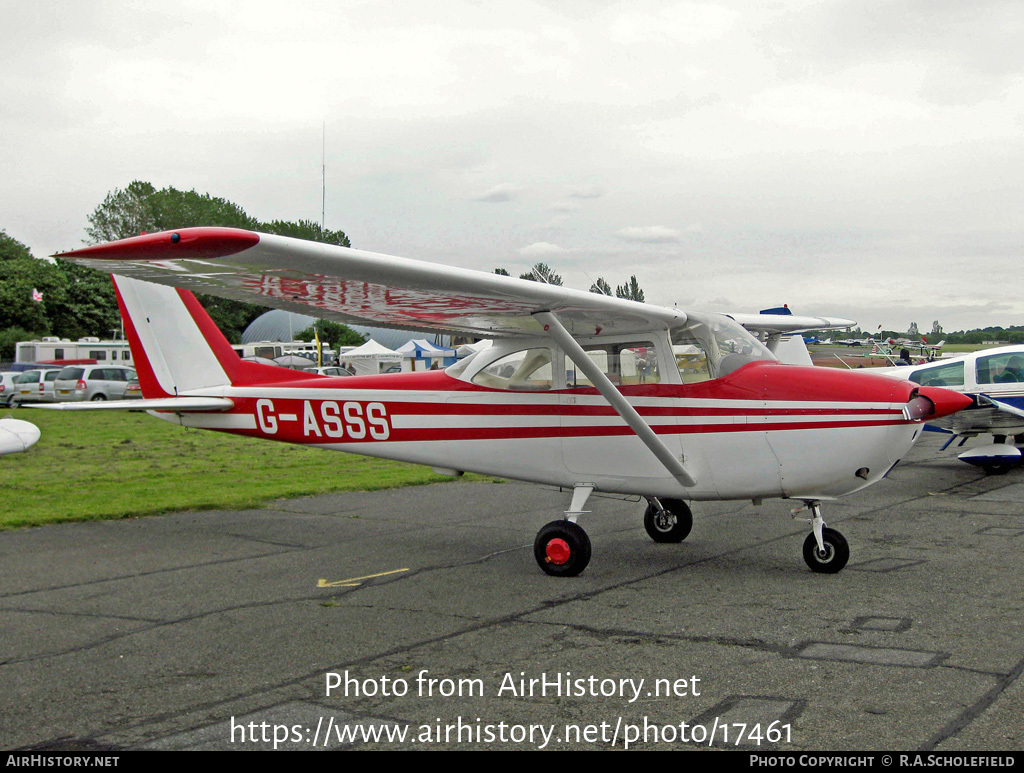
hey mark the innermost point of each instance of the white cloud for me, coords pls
(565, 206)
(817, 145)
(652, 234)
(499, 194)
(541, 250)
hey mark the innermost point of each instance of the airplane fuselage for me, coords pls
(766, 430)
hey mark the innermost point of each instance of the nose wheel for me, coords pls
(667, 520)
(825, 550)
(832, 558)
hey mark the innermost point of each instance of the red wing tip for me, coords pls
(200, 242)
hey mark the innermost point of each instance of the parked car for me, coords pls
(7, 387)
(133, 391)
(34, 386)
(76, 383)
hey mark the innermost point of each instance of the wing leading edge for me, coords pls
(356, 286)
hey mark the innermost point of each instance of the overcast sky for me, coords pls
(862, 159)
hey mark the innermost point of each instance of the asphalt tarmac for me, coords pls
(419, 614)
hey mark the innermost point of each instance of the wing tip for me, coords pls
(197, 242)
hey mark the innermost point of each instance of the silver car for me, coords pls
(76, 383)
(34, 386)
(7, 387)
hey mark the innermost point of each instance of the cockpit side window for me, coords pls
(625, 364)
(949, 374)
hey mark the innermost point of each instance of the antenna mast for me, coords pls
(323, 176)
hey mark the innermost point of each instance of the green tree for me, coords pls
(305, 229)
(542, 272)
(87, 307)
(601, 287)
(334, 333)
(141, 207)
(20, 274)
(11, 336)
(501, 272)
(630, 291)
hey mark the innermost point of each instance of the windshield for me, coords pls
(710, 346)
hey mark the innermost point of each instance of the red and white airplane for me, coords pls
(579, 390)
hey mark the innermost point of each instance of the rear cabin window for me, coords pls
(950, 374)
(528, 370)
(68, 374)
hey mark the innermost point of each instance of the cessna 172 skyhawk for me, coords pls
(579, 390)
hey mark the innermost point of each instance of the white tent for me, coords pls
(370, 358)
(422, 354)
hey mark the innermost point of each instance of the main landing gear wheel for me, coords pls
(835, 556)
(562, 549)
(997, 468)
(671, 524)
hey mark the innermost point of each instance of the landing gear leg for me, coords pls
(562, 548)
(825, 550)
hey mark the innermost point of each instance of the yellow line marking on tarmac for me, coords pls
(351, 582)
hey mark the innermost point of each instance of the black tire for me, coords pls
(837, 552)
(95, 398)
(673, 524)
(997, 468)
(562, 549)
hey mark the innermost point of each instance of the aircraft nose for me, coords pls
(944, 402)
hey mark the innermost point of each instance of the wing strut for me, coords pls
(999, 404)
(621, 405)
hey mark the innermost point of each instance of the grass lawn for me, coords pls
(964, 348)
(95, 465)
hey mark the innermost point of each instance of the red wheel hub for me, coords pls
(557, 551)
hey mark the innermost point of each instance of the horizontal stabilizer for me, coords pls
(175, 404)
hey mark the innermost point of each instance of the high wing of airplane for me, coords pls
(17, 436)
(578, 390)
(994, 380)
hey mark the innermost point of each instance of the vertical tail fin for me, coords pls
(177, 348)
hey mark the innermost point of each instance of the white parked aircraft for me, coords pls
(578, 390)
(994, 379)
